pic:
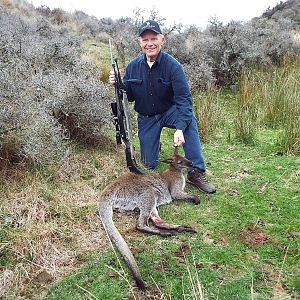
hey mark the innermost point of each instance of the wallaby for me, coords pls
(145, 192)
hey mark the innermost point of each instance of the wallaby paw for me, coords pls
(141, 284)
(196, 200)
(186, 229)
(166, 233)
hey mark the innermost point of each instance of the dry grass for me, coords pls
(209, 112)
(51, 219)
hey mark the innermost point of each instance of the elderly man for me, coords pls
(157, 83)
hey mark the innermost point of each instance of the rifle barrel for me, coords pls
(111, 54)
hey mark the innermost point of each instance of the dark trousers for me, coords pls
(149, 131)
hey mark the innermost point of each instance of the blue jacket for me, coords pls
(155, 90)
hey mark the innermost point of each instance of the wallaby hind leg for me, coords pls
(143, 226)
(160, 223)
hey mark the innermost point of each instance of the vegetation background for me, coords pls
(57, 152)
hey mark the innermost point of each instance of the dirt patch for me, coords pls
(254, 236)
(153, 292)
(183, 250)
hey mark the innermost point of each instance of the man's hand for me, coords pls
(178, 138)
(112, 78)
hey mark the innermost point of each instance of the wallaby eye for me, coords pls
(179, 162)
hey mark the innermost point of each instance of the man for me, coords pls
(157, 83)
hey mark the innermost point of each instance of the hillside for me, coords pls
(289, 9)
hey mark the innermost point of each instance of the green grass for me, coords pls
(5, 257)
(270, 99)
(95, 279)
(258, 189)
(99, 54)
(247, 245)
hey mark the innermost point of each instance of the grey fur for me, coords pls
(145, 192)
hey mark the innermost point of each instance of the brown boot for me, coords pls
(197, 177)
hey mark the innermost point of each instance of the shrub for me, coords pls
(43, 77)
(220, 53)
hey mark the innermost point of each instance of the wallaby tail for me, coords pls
(106, 213)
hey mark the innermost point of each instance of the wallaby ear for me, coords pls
(175, 149)
(167, 161)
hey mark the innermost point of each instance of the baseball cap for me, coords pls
(150, 25)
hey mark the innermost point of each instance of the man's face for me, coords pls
(151, 43)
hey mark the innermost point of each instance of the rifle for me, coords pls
(122, 118)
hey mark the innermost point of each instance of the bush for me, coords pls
(220, 53)
(43, 78)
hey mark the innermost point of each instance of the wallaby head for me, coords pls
(178, 161)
